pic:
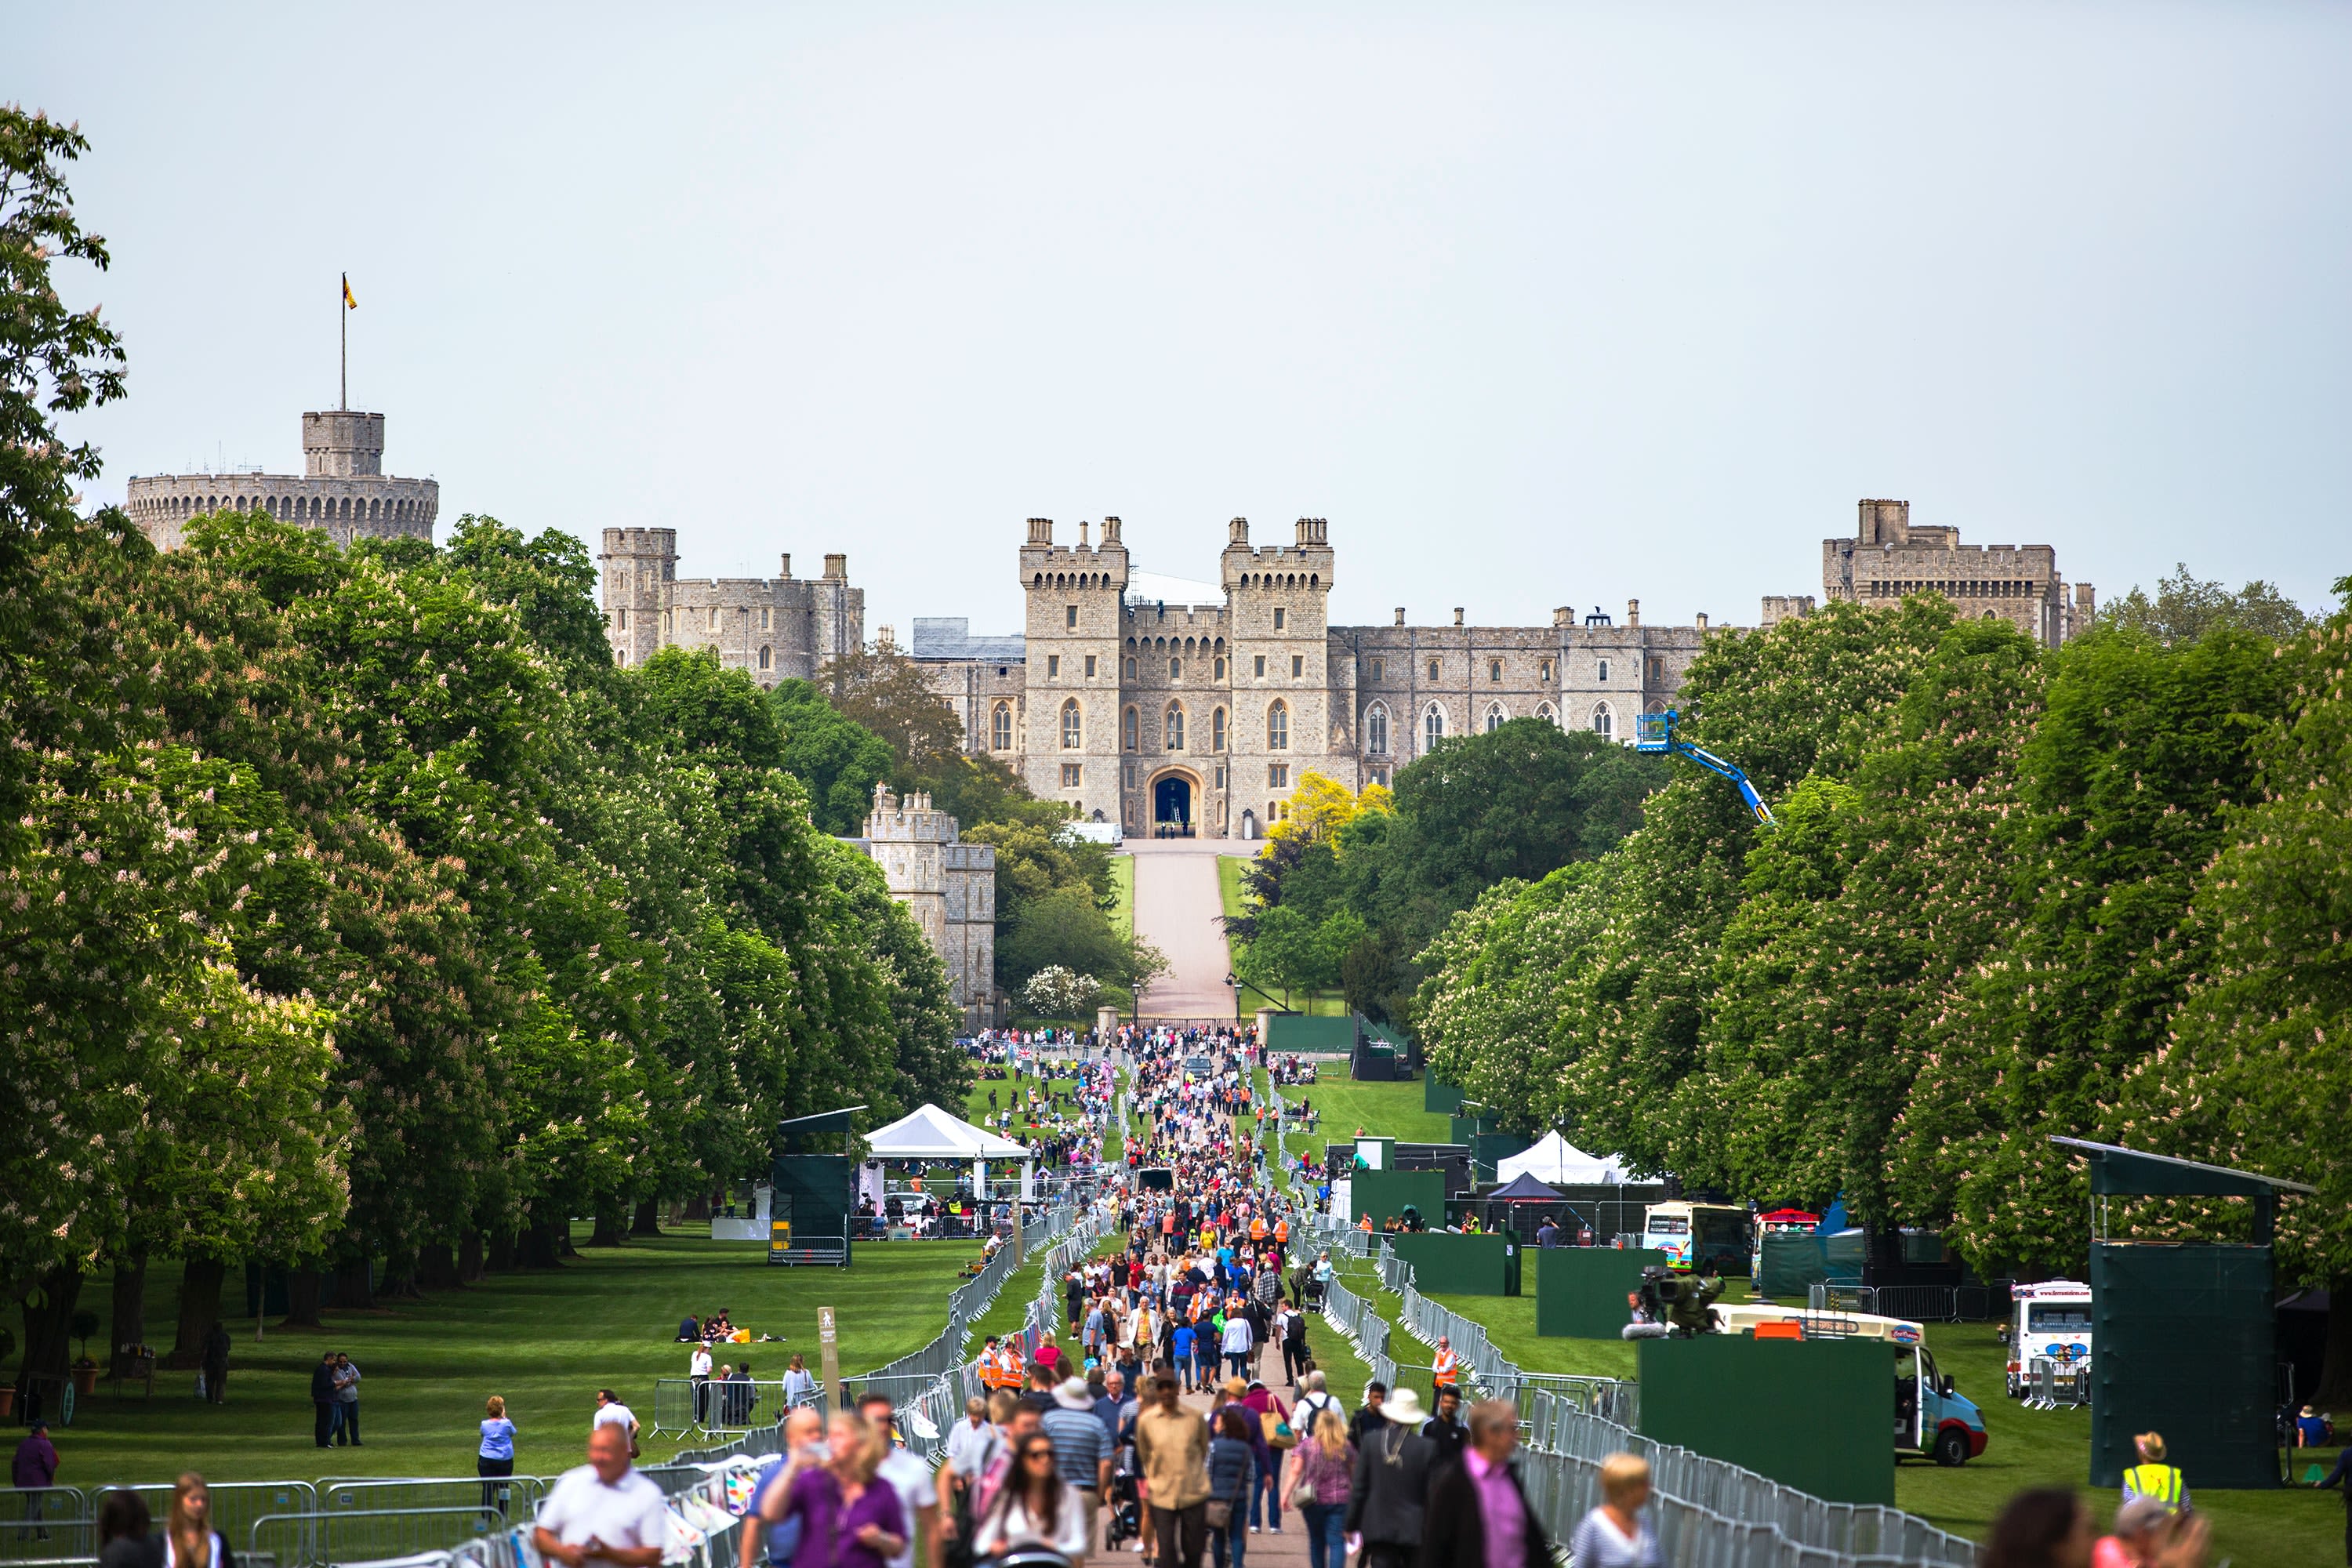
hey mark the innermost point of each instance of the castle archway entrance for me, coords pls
(1171, 807)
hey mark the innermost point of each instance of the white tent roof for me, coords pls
(1557, 1161)
(930, 1133)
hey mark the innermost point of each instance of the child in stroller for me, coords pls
(1125, 1522)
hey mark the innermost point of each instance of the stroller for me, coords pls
(1125, 1521)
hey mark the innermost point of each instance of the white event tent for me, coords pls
(1557, 1161)
(927, 1132)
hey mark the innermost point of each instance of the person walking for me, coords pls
(603, 1510)
(2341, 1475)
(494, 1457)
(1616, 1534)
(215, 1364)
(1081, 1448)
(1233, 1478)
(1445, 1428)
(1172, 1447)
(126, 1533)
(919, 1492)
(33, 1472)
(322, 1398)
(1390, 1490)
(1478, 1517)
(803, 1446)
(800, 1382)
(611, 1412)
(1238, 1342)
(190, 1540)
(347, 1401)
(2152, 1478)
(848, 1520)
(1034, 1506)
(1322, 1474)
(1368, 1419)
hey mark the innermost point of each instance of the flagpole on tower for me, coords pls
(344, 323)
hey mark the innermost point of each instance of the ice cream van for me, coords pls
(2053, 1322)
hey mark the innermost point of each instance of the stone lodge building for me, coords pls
(947, 886)
(1889, 557)
(776, 628)
(1199, 717)
(342, 488)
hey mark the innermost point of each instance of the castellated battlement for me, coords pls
(342, 490)
(773, 629)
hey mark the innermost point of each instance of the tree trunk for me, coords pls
(504, 1249)
(698, 1209)
(305, 1290)
(542, 1245)
(563, 1247)
(648, 1220)
(400, 1278)
(469, 1259)
(354, 1289)
(130, 1313)
(2335, 1368)
(200, 1295)
(49, 1342)
(436, 1269)
(608, 1227)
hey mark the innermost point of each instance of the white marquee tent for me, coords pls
(927, 1132)
(1557, 1161)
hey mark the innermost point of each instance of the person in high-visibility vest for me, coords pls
(1446, 1371)
(2152, 1478)
(1257, 1228)
(1282, 1232)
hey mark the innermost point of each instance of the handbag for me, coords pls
(1282, 1436)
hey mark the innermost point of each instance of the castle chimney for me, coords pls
(885, 641)
(1083, 526)
(1457, 615)
(788, 563)
(1564, 615)
(1041, 531)
(1702, 620)
(836, 567)
(1313, 531)
(1400, 615)
(1110, 530)
(1632, 612)
(1240, 531)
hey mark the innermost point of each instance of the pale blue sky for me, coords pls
(1539, 305)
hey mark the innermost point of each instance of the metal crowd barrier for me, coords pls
(684, 1405)
(364, 1535)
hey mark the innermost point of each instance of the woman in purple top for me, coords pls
(847, 1518)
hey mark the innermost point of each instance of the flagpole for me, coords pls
(343, 326)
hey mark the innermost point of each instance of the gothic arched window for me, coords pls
(1277, 728)
(1175, 727)
(1544, 713)
(1128, 731)
(767, 657)
(1217, 731)
(1432, 726)
(1376, 729)
(1074, 726)
(1496, 717)
(1000, 728)
(1605, 723)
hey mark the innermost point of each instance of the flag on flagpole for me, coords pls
(349, 302)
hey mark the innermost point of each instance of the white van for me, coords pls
(2054, 1321)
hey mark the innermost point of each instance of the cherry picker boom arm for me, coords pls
(1655, 732)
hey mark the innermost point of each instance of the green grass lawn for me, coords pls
(1122, 887)
(1381, 1110)
(545, 1340)
(1229, 883)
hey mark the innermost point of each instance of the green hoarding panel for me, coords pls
(1793, 1264)
(1814, 1414)
(1438, 1097)
(2184, 1338)
(1385, 1194)
(1581, 1291)
(1462, 1128)
(1489, 1150)
(1460, 1264)
(1297, 1032)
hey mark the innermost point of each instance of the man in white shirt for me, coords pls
(611, 1412)
(604, 1510)
(972, 1442)
(918, 1495)
(697, 1367)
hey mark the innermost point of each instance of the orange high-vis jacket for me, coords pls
(1444, 1374)
(1258, 1229)
(1282, 1232)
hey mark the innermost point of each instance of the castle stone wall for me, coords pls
(342, 490)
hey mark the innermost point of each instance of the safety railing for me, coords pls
(364, 1495)
(1914, 1303)
(709, 1405)
(364, 1535)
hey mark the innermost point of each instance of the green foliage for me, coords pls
(2185, 609)
(837, 759)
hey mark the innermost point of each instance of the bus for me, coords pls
(1695, 1235)
(2053, 1322)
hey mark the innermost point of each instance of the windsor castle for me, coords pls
(1157, 704)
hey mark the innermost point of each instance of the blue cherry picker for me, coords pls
(1655, 733)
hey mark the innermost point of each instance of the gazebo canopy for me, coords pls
(1524, 1187)
(1556, 1160)
(930, 1133)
